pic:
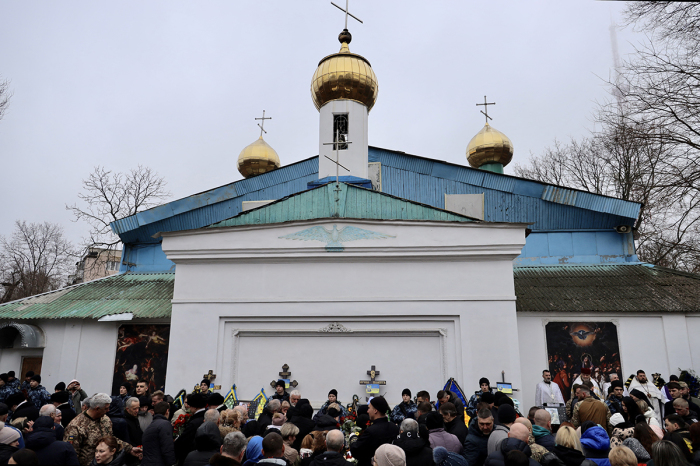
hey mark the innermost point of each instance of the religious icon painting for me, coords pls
(573, 346)
(142, 354)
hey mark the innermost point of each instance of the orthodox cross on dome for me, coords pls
(339, 140)
(486, 107)
(209, 376)
(373, 373)
(285, 375)
(347, 13)
(262, 130)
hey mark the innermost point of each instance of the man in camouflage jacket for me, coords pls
(89, 427)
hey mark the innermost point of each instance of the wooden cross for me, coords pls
(486, 107)
(262, 130)
(347, 13)
(373, 373)
(285, 374)
(337, 143)
(209, 376)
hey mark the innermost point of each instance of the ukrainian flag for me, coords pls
(180, 398)
(231, 397)
(261, 399)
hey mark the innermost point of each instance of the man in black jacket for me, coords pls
(445, 396)
(417, 448)
(380, 432)
(516, 441)
(42, 440)
(476, 445)
(131, 412)
(301, 418)
(61, 400)
(158, 445)
(333, 455)
(265, 418)
(20, 407)
(453, 423)
(185, 442)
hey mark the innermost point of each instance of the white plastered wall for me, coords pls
(655, 342)
(413, 305)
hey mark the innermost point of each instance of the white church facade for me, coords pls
(423, 269)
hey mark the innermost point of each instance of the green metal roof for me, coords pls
(143, 295)
(347, 202)
(605, 288)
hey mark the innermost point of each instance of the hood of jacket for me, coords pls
(539, 432)
(410, 442)
(511, 444)
(595, 438)
(208, 437)
(41, 438)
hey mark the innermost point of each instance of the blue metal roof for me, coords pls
(506, 198)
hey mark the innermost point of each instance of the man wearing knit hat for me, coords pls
(37, 394)
(380, 432)
(484, 387)
(442, 457)
(332, 398)
(27, 378)
(406, 409)
(389, 455)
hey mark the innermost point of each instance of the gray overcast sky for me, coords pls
(175, 85)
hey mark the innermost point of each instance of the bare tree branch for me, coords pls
(5, 96)
(109, 196)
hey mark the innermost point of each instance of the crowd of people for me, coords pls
(638, 423)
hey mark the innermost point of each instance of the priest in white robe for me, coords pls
(547, 391)
(655, 396)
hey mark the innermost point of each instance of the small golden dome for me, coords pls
(489, 146)
(344, 75)
(257, 158)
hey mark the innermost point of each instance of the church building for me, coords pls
(364, 259)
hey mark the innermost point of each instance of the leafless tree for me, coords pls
(109, 196)
(5, 95)
(37, 258)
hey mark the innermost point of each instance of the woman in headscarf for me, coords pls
(253, 451)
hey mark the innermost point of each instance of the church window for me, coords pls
(340, 131)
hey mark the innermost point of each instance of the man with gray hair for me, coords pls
(50, 411)
(294, 397)
(265, 418)
(90, 426)
(232, 451)
(417, 448)
(212, 415)
(333, 456)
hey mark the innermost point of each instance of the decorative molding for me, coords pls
(335, 327)
(335, 238)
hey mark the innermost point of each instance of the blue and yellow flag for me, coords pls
(261, 399)
(179, 400)
(231, 398)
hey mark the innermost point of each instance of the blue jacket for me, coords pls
(39, 396)
(403, 410)
(475, 445)
(596, 445)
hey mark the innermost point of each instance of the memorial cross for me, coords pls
(373, 373)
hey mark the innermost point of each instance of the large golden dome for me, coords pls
(257, 158)
(344, 75)
(489, 146)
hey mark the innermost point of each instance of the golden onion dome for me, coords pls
(257, 158)
(344, 75)
(489, 146)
